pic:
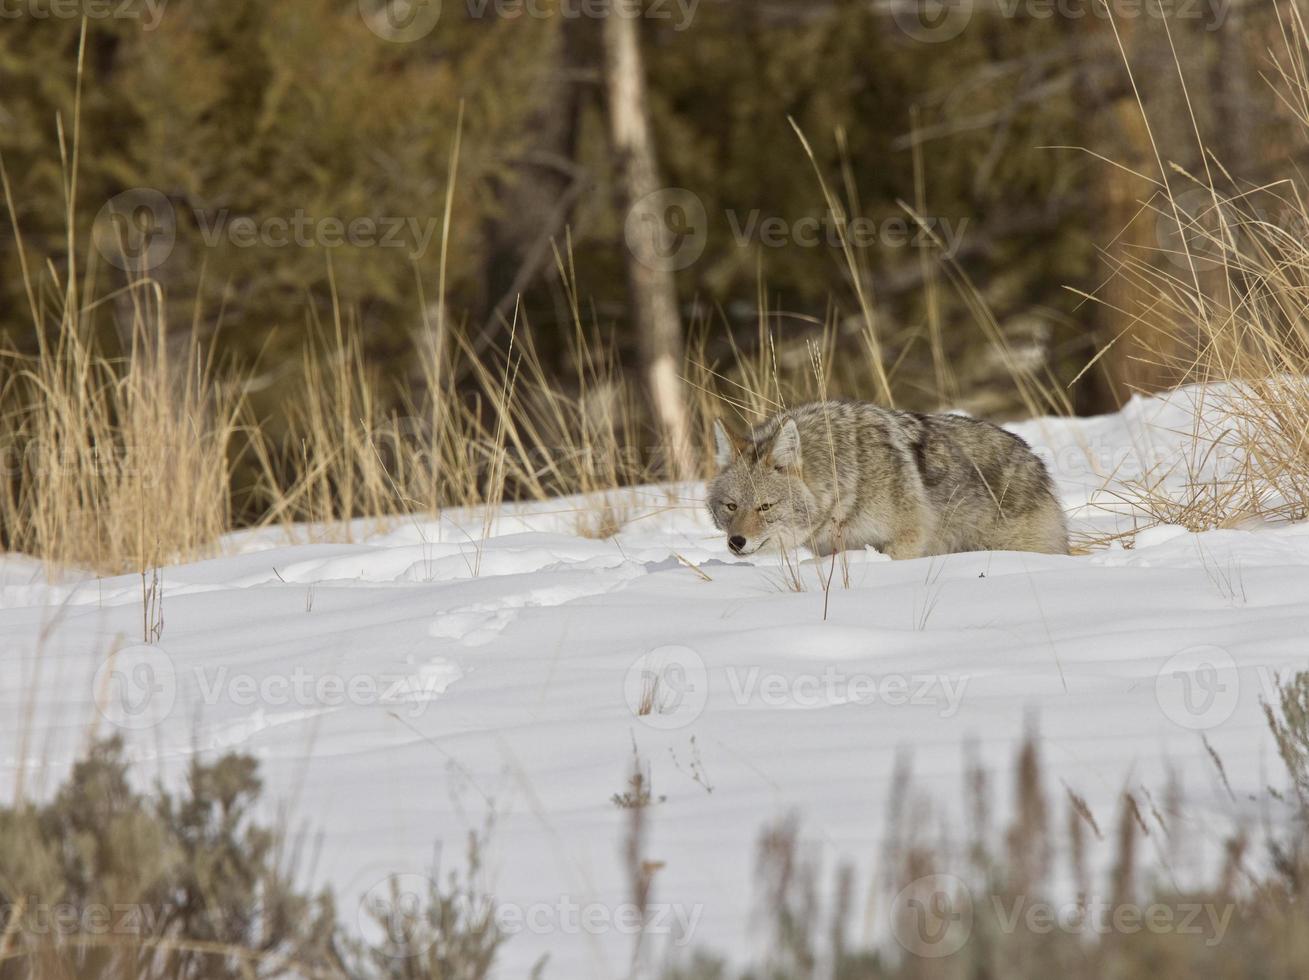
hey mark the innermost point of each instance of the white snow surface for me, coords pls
(398, 689)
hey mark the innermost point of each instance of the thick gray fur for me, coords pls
(841, 475)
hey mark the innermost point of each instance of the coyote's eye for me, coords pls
(730, 507)
(763, 508)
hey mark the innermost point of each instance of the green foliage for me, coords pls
(237, 109)
(241, 110)
(104, 882)
(451, 935)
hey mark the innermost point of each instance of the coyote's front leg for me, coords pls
(828, 539)
(910, 544)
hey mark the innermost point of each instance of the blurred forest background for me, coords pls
(1012, 127)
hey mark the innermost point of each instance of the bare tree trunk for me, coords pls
(651, 282)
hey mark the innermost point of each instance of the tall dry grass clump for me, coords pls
(113, 458)
(122, 452)
(1046, 886)
(118, 461)
(105, 882)
(474, 426)
(1221, 302)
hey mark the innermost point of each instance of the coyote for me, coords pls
(845, 474)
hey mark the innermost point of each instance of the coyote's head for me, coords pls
(759, 496)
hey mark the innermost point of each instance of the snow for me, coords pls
(399, 689)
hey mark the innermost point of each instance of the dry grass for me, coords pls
(119, 460)
(122, 453)
(122, 462)
(1035, 889)
(104, 883)
(1221, 301)
(128, 450)
(130, 455)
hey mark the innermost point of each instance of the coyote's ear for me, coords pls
(785, 453)
(726, 446)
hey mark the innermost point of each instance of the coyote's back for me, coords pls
(844, 474)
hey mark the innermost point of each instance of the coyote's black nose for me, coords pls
(736, 543)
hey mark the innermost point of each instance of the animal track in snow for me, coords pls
(479, 623)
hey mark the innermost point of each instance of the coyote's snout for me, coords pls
(839, 475)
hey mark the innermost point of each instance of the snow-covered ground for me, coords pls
(399, 689)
